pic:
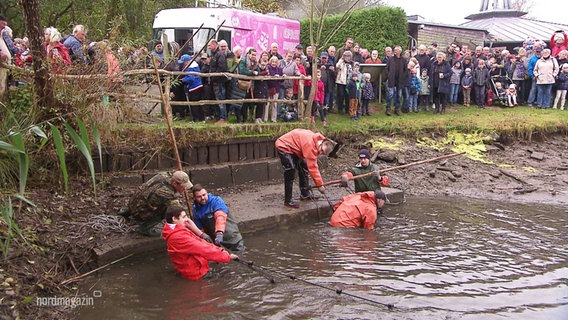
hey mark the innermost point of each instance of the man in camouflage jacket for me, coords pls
(149, 203)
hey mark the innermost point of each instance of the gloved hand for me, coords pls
(377, 176)
(206, 237)
(218, 238)
(385, 181)
(321, 189)
(344, 181)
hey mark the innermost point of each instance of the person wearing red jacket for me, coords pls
(317, 105)
(358, 210)
(298, 151)
(189, 254)
(57, 54)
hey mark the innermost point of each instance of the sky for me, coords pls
(432, 10)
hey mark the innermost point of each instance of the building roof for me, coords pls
(444, 25)
(515, 29)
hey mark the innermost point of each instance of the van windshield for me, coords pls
(182, 35)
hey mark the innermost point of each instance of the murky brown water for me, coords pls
(430, 258)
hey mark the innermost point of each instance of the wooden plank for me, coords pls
(233, 152)
(249, 151)
(213, 154)
(202, 155)
(262, 149)
(223, 150)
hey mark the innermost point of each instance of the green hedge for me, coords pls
(374, 29)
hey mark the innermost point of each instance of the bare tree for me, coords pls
(318, 9)
(43, 87)
(522, 5)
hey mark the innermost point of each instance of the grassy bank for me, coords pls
(520, 122)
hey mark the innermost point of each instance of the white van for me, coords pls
(240, 27)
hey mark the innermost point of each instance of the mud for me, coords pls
(62, 231)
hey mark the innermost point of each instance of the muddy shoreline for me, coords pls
(62, 231)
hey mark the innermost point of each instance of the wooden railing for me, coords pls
(167, 75)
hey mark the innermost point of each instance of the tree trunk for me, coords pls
(42, 85)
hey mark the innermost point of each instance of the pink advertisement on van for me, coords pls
(260, 31)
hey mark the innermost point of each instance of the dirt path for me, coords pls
(63, 230)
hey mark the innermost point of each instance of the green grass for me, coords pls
(520, 122)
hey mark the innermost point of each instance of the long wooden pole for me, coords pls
(396, 168)
(167, 113)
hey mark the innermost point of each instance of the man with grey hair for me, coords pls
(74, 44)
(274, 51)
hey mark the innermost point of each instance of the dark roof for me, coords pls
(515, 29)
(443, 25)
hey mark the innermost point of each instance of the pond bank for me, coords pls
(65, 230)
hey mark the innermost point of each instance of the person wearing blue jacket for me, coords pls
(414, 91)
(211, 214)
(193, 84)
(532, 63)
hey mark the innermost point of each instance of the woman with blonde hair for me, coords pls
(57, 54)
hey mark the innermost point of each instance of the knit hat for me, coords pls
(380, 195)
(364, 153)
(467, 70)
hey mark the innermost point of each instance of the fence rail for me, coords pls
(145, 97)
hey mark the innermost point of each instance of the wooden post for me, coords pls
(168, 113)
(301, 99)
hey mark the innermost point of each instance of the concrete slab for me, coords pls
(261, 209)
(213, 176)
(249, 172)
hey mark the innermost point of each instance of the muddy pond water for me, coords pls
(444, 258)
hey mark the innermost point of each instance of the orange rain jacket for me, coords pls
(355, 210)
(305, 145)
(190, 254)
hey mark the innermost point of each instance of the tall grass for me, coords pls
(15, 150)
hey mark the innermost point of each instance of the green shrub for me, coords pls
(374, 28)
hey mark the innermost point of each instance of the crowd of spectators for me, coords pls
(415, 78)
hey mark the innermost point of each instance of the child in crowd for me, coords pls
(466, 83)
(455, 82)
(289, 111)
(561, 87)
(414, 91)
(424, 90)
(499, 90)
(367, 94)
(512, 95)
(480, 77)
(356, 70)
(352, 93)
(317, 105)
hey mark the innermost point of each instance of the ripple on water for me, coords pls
(431, 258)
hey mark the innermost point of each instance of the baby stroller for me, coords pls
(499, 85)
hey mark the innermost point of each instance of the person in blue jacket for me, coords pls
(194, 86)
(211, 214)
